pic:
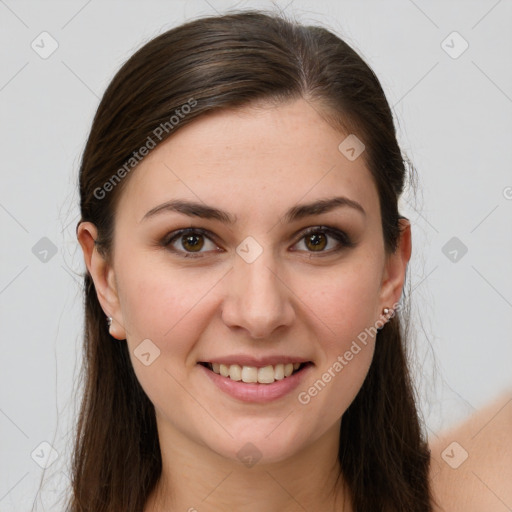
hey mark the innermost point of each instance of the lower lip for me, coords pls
(255, 392)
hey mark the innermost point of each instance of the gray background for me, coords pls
(453, 115)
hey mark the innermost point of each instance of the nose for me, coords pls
(258, 298)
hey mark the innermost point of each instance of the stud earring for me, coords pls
(389, 313)
(109, 321)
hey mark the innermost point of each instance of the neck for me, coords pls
(195, 479)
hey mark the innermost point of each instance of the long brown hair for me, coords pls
(214, 63)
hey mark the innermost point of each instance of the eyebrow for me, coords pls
(195, 209)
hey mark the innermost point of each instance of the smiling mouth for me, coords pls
(256, 375)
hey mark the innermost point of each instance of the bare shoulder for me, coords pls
(471, 469)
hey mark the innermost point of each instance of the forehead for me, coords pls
(250, 159)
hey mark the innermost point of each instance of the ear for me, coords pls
(103, 277)
(393, 277)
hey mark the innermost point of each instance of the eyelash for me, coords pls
(340, 236)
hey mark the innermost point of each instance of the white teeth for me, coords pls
(279, 371)
(224, 370)
(249, 374)
(264, 375)
(235, 372)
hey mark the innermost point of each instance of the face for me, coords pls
(265, 283)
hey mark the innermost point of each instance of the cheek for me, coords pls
(341, 306)
(164, 304)
(343, 300)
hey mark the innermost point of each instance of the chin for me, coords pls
(265, 445)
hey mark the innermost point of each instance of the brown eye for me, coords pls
(316, 241)
(189, 242)
(192, 242)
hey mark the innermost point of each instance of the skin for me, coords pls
(482, 482)
(254, 163)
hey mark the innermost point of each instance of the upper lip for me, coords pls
(245, 360)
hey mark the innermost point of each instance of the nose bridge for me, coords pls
(257, 299)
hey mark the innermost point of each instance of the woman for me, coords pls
(245, 326)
